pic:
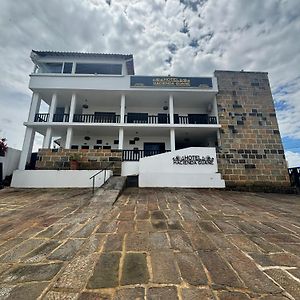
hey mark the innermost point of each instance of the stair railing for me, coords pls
(103, 170)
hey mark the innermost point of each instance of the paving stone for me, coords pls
(137, 293)
(95, 296)
(26, 273)
(51, 295)
(158, 240)
(220, 241)
(67, 251)
(196, 294)
(50, 231)
(265, 245)
(293, 248)
(163, 267)
(142, 215)
(137, 241)
(125, 226)
(226, 227)
(135, 270)
(92, 244)
(282, 238)
(295, 272)
(86, 230)
(276, 259)
(67, 232)
(76, 273)
(253, 278)
(208, 226)
(40, 253)
(8, 245)
(27, 291)
(191, 268)
(226, 295)
(243, 243)
(144, 226)
(114, 242)
(200, 241)
(162, 293)
(220, 273)
(285, 281)
(174, 225)
(159, 225)
(158, 215)
(22, 249)
(108, 227)
(126, 216)
(105, 272)
(180, 241)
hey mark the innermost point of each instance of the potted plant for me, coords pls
(3, 147)
(74, 161)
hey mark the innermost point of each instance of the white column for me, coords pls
(172, 139)
(27, 147)
(122, 111)
(69, 138)
(72, 107)
(121, 138)
(67, 109)
(171, 109)
(52, 107)
(34, 106)
(47, 138)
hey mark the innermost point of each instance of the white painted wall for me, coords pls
(159, 170)
(10, 161)
(130, 168)
(57, 179)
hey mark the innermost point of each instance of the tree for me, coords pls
(3, 146)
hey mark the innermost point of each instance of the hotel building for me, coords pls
(169, 131)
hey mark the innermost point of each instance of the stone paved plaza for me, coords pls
(152, 244)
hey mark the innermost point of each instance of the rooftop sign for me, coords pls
(170, 82)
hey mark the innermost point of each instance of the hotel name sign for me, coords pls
(170, 82)
(193, 160)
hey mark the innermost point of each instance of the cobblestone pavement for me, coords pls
(152, 244)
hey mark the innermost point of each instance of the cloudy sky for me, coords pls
(177, 37)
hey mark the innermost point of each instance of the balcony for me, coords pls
(130, 118)
(136, 155)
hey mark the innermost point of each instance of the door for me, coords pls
(153, 148)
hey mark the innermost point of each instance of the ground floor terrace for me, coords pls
(151, 244)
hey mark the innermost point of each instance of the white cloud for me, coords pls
(238, 34)
(293, 159)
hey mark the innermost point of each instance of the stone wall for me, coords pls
(94, 159)
(250, 148)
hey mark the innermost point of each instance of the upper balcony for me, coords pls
(130, 118)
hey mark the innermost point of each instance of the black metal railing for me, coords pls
(295, 177)
(131, 118)
(61, 118)
(104, 180)
(91, 118)
(41, 117)
(136, 155)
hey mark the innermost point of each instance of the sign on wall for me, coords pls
(170, 82)
(193, 160)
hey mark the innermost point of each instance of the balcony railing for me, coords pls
(41, 117)
(136, 155)
(61, 118)
(96, 119)
(130, 118)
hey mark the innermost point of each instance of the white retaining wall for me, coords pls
(57, 179)
(10, 161)
(161, 171)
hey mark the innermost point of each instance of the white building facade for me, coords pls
(96, 102)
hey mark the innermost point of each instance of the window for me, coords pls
(68, 68)
(74, 147)
(84, 68)
(99, 142)
(97, 147)
(85, 147)
(116, 142)
(106, 147)
(52, 68)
